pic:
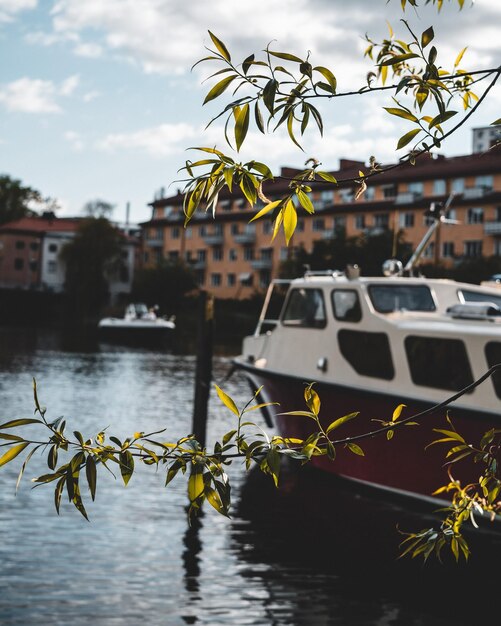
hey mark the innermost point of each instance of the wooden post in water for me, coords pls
(203, 373)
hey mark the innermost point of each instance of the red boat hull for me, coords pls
(405, 463)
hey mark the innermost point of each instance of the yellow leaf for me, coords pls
(290, 220)
(459, 57)
(195, 486)
(12, 453)
(397, 412)
(226, 400)
(266, 209)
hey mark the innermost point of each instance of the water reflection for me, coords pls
(308, 554)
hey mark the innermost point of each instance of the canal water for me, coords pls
(310, 553)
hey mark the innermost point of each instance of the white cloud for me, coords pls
(10, 8)
(32, 95)
(90, 95)
(27, 95)
(75, 140)
(159, 141)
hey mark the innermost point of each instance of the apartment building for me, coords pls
(30, 254)
(232, 258)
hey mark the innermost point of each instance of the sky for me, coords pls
(98, 99)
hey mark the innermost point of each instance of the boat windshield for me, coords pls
(478, 296)
(388, 298)
(141, 310)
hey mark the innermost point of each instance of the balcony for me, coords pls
(262, 264)
(154, 242)
(472, 193)
(492, 228)
(245, 238)
(407, 197)
(214, 239)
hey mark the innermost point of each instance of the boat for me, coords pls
(139, 324)
(369, 345)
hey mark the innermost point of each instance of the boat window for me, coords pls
(346, 305)
(493, 356)
(388, 298)
(305, 307)
(438, 363)
(368, 353)
(478, 296)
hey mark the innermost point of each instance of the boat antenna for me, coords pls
(437, 212)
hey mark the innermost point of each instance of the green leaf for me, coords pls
(223, 51)
(355, 449)
(496, 123)
(258, 117)
(241, 126)
(20, 422)
(12, 453)
(269, 93)
(312, 399)
(91, 473)
(427, 36)
(23, 467)
(227, 401)
(340, 421)
(246, 64)
(266, 209)
(442, 117)
(328, 75)
(305, 201)
(52, 457)
(398, 59)
(219, 88)
(214, 499)
(326, 176)
(58, 492)
(405, 139)
(286, 56)
(195, 485)
(126, 465)
(401, 113)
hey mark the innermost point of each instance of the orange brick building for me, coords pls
(233, 258)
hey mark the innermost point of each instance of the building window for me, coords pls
(450, 214)
(439, 187)
(447, 249)
(267, 254)
(19, 245)
(415, 188)
(225, 205)
(369, 193)
(188, 232)
(346, 195)
(339, 222)
(360, 221)
(326, 198)
(264, 278)
(218, 229)
(51, 267)
(267, 224)
(318, 224)
(248, 253)
(389, 191)
(406, 220)
(235, 229)
(231, 280)
(457, 185)
(241, 204)
(215, 280)
(429, 251)
(475, 215)
(173, 255)
(52, 247)
(18, 264)
(300, 226)
(175, 232)
(232, 254)
(381, 220)
(33, 245)
(201, 255)
(200, 277)
(202, 230)
(217, 253)
(284, 253)
(486, 182)
(473, 249)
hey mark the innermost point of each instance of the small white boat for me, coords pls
(370, 344)
(139, 323)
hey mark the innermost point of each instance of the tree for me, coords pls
(280, 90)
(89, 257)
(164, 285)
(17, 201)
(98, 208)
